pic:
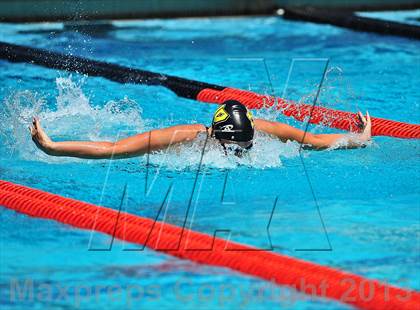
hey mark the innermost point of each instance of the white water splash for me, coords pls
(77, 118)
(16, 113)
(265, 153)
(73, 117)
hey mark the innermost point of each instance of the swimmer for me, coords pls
(233, 126)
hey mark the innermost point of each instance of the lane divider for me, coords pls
(204, 92)
(301, 275)
(313, 114)
(351, 20)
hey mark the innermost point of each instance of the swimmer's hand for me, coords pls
(40, 138)
(366, 127)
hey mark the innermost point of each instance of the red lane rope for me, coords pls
(303, 276)
(302, 112)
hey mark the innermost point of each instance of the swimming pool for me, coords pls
(368, 198)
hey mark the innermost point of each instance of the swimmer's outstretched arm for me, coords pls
(132, 146)
(317, 141)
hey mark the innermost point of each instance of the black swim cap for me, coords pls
(233, 122)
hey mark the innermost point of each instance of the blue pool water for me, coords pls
(368, 198)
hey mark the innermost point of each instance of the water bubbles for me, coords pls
(119, 106)
(16, 114)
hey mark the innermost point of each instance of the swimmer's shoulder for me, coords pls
(200, 128)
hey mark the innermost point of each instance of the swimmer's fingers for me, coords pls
(367, 130)
(35, 136)
(362, 120)
(368, 124)
(35, 122)
(368, 120)
(361, 117)
(33, 128)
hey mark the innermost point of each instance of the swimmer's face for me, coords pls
(244, 145)
(236, 147)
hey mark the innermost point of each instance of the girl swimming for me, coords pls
(233, 126)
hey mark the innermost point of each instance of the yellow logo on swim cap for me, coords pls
(251, 119)
(220, 115)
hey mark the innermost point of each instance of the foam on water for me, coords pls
(267, 152)
(15, 115)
